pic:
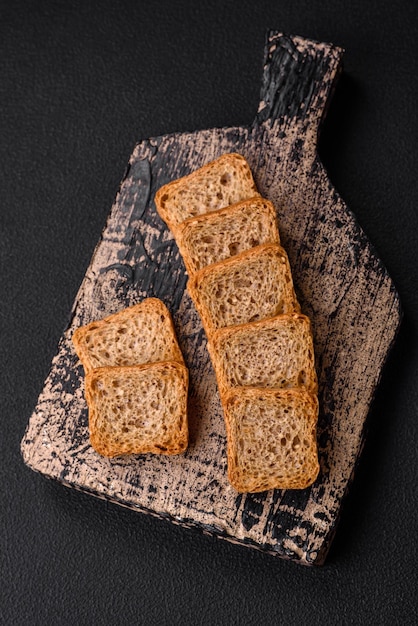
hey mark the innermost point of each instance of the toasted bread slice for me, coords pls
(250, 286)
(142, 333)
(216, 236)
(138, 409)
(271, 438)
(277, 352)
(217, 184)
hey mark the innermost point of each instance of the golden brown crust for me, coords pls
(276, 352)
(216, 236)
(138, 409)
(172, 212)
(282, 456)
(86, 338)
(239, 270)
(242, 286)
(130, 358)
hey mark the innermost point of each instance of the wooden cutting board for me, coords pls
(340, 283)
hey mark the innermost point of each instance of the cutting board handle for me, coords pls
(298, 79)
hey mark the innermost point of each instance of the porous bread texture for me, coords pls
(217, 184)
(271, 437)
(277, 352)
(216, 236)
(261, 347)
(248, 287)
(142, 333)
(138, 409)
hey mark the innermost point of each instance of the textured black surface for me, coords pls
(80, 83)
(351, 301)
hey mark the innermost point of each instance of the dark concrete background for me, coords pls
(80, 83)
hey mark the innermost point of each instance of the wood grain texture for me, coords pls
(341, 285)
